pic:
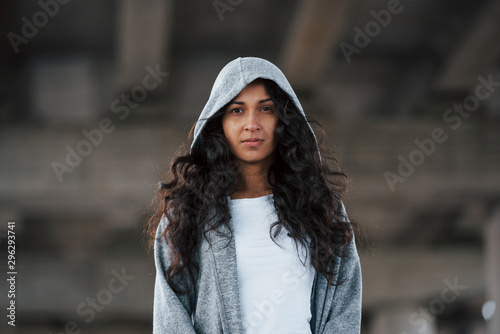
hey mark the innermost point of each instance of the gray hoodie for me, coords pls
(214, 306)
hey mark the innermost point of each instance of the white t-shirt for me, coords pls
(274, 286)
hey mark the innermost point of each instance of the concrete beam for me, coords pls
(492, 270)
(421, 275)
(476, 54)
(312, 35)
(396, 320)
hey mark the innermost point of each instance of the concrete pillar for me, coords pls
(492, 103)
(492, 248)
(403, 319)
(313, 33)
(143, 38)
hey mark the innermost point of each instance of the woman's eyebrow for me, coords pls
(242, 103)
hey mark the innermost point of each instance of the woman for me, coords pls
(251, 235)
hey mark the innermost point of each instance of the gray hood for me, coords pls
(235, 76)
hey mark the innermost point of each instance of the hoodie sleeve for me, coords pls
(345, 312)
(171, 312)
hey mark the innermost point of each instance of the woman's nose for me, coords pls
(252, 122)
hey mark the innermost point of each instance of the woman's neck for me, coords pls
(252, 183)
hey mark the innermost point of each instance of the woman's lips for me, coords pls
(253, 143)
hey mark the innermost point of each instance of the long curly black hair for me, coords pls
(307, 194)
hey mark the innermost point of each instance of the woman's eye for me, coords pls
(235, 110)
(267, 108)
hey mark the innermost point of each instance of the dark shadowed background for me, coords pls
(97, 95)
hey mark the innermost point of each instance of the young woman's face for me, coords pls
(248, 123)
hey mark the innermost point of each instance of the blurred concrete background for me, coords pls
(96, 96)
